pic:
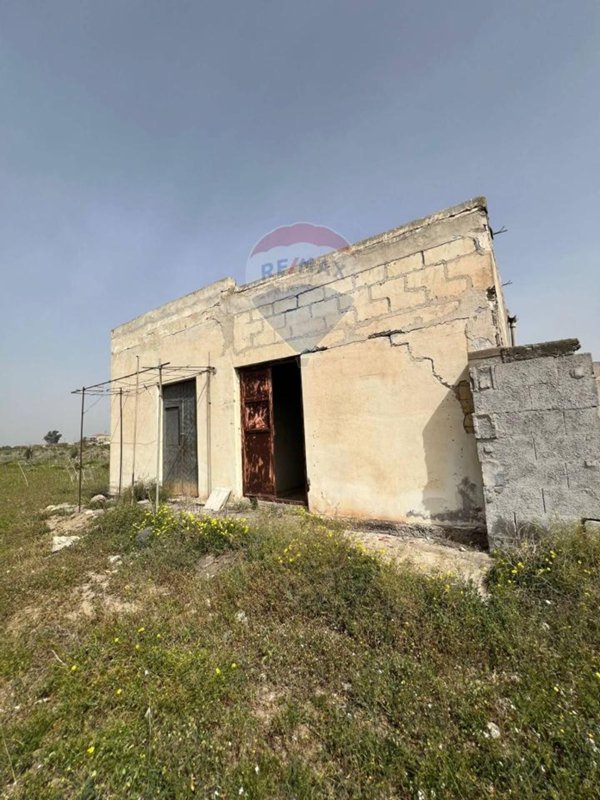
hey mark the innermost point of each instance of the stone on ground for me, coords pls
(60, 542)
(60, 508)
(426, 556)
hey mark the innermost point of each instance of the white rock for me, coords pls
(493, 730)
(66, 507)
(115, 559)
(60, 542)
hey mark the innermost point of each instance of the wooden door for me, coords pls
(257, 432)
(180, 458)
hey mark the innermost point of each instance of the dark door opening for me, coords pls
(290, 458)
(273, 432)
(180, 459)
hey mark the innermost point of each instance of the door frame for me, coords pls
(264, 366)
(180, 403)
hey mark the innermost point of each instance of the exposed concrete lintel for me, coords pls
(561, 347)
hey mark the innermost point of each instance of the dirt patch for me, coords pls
(210, 565)
(24, 619)
(73, 523)
(457, 535)
(267, 703)
(94, 596)
(431, 558)
(85, 601)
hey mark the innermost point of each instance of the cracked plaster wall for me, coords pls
(382, 329)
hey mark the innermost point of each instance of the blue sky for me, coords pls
(146, 146)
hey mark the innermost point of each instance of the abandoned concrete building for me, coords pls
(372, 383)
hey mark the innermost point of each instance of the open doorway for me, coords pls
(273, 448)
(290, 458)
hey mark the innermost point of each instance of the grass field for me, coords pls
(303, 668)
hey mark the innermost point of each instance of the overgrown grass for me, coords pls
(303, 668)
(144, 490)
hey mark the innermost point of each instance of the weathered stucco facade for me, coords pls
(381, 332)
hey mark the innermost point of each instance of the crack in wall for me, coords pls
(460, 391)
(420, 359)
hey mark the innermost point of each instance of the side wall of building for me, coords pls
(538, 435)
(382, 330)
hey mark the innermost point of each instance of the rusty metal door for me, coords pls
(180, 459)
(257, 431)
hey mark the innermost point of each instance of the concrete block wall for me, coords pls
(537, 427)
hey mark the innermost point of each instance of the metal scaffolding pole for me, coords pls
(158, 434)
(81, 446)
(208, 432)
(122, 385)
(135, 413)
(120, 441)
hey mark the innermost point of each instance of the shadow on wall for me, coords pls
(451, 462)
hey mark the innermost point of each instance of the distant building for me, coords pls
(98, 438)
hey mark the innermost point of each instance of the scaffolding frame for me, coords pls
(130, 385)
